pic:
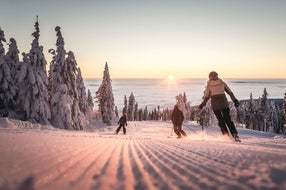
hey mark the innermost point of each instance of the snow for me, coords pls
(150, 156)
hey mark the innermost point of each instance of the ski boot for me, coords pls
(236, 138)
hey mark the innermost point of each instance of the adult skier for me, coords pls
(215, 91)
(122, 123)
(177, 119)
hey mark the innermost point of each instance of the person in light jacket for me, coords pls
(215, 90)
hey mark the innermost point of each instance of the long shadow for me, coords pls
(27, 184)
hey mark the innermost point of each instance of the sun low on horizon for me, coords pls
(171, 77)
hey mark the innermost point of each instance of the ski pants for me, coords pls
(224, 120)
(118, 129)
(179, 131)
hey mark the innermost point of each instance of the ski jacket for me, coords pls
(215, 90)
(177, 117)
(122, 121)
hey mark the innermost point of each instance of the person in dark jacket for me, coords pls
(122, 123)
(177, 119)
(215, 91)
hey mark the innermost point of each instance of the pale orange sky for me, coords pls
(155, 39)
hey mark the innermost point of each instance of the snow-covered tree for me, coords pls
(131, 106)
(145, 114)
(7, 77)
(39, 108)
(263, 110)
(82, 97)
(63, 70)
(90, 100)
(61, 105)
(32, 81)
(116, 112)
(105, 97)
(136, 112)
(183, 105)
(250, 114)
(125, 108)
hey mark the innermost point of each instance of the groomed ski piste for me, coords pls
(149, 156)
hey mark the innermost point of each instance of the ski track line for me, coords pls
(168, 156)
(81, 174)
(108, 171)
(242, 165)
(103, 169)
(152, 167)
(202, 164)
(49, 170)
(65, 170)
(29, 161)
(170, 170)
(195, 171)
(143, 179)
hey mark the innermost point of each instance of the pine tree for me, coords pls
(7, 77)
(39, 104)
(90, 100)
(116, 112)
(136, 112)
(131, 105)
(32, 99)
(105, 97)
(82, 97)
(264, 109)
(183, 105)
(125, 108)
(63, 71)
(145, 114)
(250, 114)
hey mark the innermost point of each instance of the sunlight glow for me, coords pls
(171, 77)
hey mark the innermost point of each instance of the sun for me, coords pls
(171, 77)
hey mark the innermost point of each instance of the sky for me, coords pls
(158, 38)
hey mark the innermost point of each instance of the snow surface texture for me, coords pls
(148, 157)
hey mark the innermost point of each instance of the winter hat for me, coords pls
(213, 75)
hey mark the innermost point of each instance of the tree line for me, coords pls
(29, 93)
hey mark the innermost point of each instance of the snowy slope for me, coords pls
(148, 157)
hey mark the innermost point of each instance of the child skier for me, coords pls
(122, 123)
(215, 91)
(177, 119)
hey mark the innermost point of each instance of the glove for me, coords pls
(236, 103)
(201, 106)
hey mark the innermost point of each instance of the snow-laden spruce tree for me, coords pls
(62, 105)
(82, 97)
(183, 105)
(32, 81)
(90, 100)
(131, 106)
(125, 108)
(264, 110)
(136, 112)
(105, 99)
(7, 77)
(250, 114)
(39, 111)
(63, 72)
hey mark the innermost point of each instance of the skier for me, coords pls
(215, 91)
(177, 119)
(122, 123)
